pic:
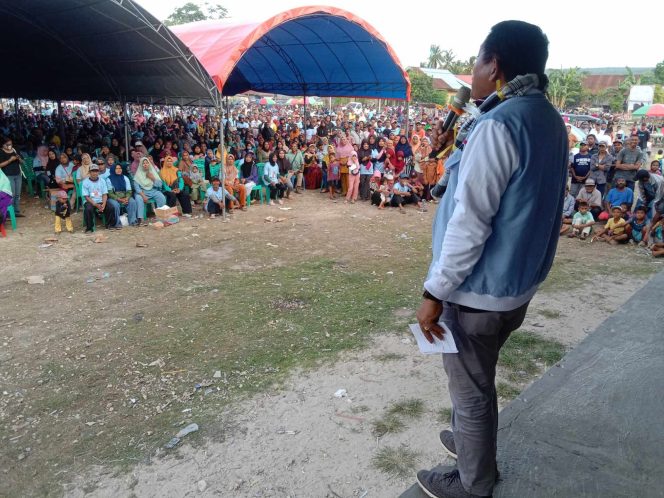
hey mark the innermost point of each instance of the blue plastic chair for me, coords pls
(12, 216)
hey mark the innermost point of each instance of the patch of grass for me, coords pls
(526, 354)
(359, 409)
(444, 416)
(387, 425)
(389, 357)
(550, 314)
(396, 462)
(507, 391)
(411, 408)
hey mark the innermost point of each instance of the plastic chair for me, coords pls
(29, 174)
(151, 202)
(79, 192)
(260, 186)
(12, 218)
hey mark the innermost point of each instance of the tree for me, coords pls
(192, 12)
(565, 87)
(422, 89)
(659, 95)
(659, 73)
(435, 59)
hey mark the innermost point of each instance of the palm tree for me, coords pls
(435, 60)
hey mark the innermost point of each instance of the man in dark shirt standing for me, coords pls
(11, 166)
(580, 168)
(643, 135)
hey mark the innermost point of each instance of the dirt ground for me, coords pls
(122, 346)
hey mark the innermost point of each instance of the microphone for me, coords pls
(456, 110)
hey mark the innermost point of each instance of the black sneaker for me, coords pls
(439, 485)
(447, 440)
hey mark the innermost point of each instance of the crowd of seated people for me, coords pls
(618, 185)
(273, 155)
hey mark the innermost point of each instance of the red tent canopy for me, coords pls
(315, 50)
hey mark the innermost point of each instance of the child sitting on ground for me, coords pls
(582, 222)
(198, 184)
(656, 233)
(568, 212)
(63, 212)
(382, 195)
(626, 213)
(637, 227)
(614, 230)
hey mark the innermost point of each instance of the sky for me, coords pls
(580, 34)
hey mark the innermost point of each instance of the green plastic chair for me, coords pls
(12, 216)
(29, 175)
(79, 192)
(260, 186)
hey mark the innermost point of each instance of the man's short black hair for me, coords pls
(640, 208)
(519, 47)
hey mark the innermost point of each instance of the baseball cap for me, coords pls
(618, 140)
(94, 167)
(590, 181)
(583, 142)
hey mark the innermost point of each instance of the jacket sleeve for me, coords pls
(481, 184)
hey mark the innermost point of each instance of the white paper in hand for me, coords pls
(447, 345)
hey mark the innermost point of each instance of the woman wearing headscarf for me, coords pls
(148, 184)
(313, 174)
(39, 164)
(353, 178)
(404, 146)
(119, 189)
(174, 186)
(83, 171)
(343, 152)
(366, 169)
(248, 172)
(233, 184)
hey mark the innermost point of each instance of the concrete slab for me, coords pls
(593, 425)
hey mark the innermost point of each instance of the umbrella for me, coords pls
(655, 111)
(641, 111)
(301, 101)
(266, 101)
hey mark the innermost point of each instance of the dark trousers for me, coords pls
(185, 201)
(398, 201)
(471, 374)
(213, 207)
(276, 191)
(90, 212)
(365, 180)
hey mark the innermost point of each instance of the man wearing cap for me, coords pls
(629, 161)
(95, 193)
(650, 191)
(579, 168)
(592, 196)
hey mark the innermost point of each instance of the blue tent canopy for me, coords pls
(316, 50)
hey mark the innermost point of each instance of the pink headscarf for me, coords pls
(42, 155)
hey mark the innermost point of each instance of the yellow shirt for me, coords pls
(618, 227)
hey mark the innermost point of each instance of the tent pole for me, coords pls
(61, 126)
(408, 120)
(18, 121)
(126, 128)
(222, 172)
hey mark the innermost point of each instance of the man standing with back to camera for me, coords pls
(494, 239)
